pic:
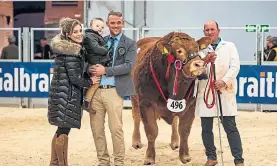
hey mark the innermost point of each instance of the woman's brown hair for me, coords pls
(67, 25)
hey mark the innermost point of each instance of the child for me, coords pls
(97, 52)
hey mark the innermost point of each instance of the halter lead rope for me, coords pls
(212, 79)
(178, 67)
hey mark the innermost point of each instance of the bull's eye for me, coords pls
(184, 38)
(179, 51)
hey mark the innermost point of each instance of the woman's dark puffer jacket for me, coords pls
(66, 91)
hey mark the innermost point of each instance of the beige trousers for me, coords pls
(108, 101)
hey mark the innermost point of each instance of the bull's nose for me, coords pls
(198, 64)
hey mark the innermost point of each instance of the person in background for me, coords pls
(43, 50)
(10, 51)
(271, 56)
(272, 44)
(267, 48)
(66, 90)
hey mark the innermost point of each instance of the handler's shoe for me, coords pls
(211, 163)
(240, 164)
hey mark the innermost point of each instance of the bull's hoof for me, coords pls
(149, 161)
(137, 145)
(174, 145)
(185, 159)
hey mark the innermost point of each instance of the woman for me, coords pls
(66, 92)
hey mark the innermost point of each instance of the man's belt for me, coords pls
(106, 86)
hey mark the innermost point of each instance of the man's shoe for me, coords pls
(211, 163)
(240, 164)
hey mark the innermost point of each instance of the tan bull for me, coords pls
(149, 105)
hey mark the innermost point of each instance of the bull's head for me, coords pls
(185, 51)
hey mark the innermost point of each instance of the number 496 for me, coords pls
(177, 105)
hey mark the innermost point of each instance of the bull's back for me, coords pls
(145, 45)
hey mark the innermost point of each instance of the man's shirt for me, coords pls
(110, 80)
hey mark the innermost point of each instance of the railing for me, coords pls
(32, 31)
(19, 40)
(254, 45)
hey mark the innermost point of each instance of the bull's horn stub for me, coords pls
(202, 46)
(176, 105)
(165, 51)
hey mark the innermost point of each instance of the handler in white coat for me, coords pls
(227, 66)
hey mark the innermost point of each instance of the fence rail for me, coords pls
(26, 41)
(19, 40)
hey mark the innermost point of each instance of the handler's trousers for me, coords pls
(108, 101)
(229, 125)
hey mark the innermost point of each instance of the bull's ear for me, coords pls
(204, 42)
(161, 47)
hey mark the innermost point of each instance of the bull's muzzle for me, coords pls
(197, 67)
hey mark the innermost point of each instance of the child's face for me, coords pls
(98, 26)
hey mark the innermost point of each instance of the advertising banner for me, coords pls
(256, 84)
(25, 79)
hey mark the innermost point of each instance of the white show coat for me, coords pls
(227, 65)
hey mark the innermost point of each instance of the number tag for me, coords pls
(176, 105)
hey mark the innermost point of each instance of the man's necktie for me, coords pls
(214, 46)
(111, 51)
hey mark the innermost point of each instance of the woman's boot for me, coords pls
(54, 158)
(61, 149)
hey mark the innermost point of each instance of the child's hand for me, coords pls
(95, 79)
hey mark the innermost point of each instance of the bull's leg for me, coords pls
(174, 135)
(136, 139)
(185, 123)
(151, 131)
